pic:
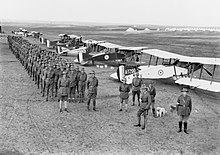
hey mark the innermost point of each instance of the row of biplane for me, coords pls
(25, 33)
(157, 64)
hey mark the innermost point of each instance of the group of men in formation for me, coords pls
(56, 77)
(53, 75)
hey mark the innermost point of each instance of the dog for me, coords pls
(160, 112)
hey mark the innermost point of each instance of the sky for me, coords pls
(204, 13)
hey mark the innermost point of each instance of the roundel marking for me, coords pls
(160, 72)
(106, 57)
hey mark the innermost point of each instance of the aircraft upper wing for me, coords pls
(162, 54)
(201, 60)
(73, 36)
(109, 45)
(133, 48)
(90, 41)
(61, 35)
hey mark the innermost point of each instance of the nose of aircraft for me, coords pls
(114, 76)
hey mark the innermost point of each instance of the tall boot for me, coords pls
(139, 122)
(47, 94)
(94, 105)
(185, 127)
(143, 127)
(153, 111)
(88, 103)
(180, 126)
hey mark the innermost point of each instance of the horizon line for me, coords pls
(57, 22)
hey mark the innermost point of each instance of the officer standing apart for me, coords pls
(145, 106)
(152, 94)
(63, 90)
(184, 108)
(136, 86)
(124, 89)
(92, 85)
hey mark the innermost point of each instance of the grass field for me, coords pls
(29, 125)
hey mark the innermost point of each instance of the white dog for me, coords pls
(160, 112)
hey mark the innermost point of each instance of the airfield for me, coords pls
(29, 125)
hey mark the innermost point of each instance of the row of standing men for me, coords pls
(53, 75)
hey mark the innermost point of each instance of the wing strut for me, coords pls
(192, 69)
(213, 74)
(141, 57)
(201, 72)
(170, 62)
(157, 60)
(150, 61)
(175, 70)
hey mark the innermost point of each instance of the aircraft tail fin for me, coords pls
(58, 49)
(82, 57)
(48, 43)
(126, 70)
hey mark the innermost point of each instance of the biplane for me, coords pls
(21, 31)
(170, 65)
(160, 68)
(65, 43)
(196, 79)
(35, 34)
(102, 52)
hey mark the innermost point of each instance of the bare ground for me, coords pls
(29, 125)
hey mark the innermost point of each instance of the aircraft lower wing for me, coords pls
(200, 83)
(149, 72)
(157, 72)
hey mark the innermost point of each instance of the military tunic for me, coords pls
(136, 85)
(63, 85)
(82, 82)
(185, 105)
(124, 89)
(145, 104)
(92, 85)
(152, 93)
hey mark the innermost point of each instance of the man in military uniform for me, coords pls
(144, 107)
(78, 76)
(56, 78)
(136, 85)
(50, 81)
(44, 76)
(92, 84)
(124, 89)
(42, 68)
(63, 90)
(184, 108)
(38, 74)
(82, 85)
(152, 91)
(73, 83)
